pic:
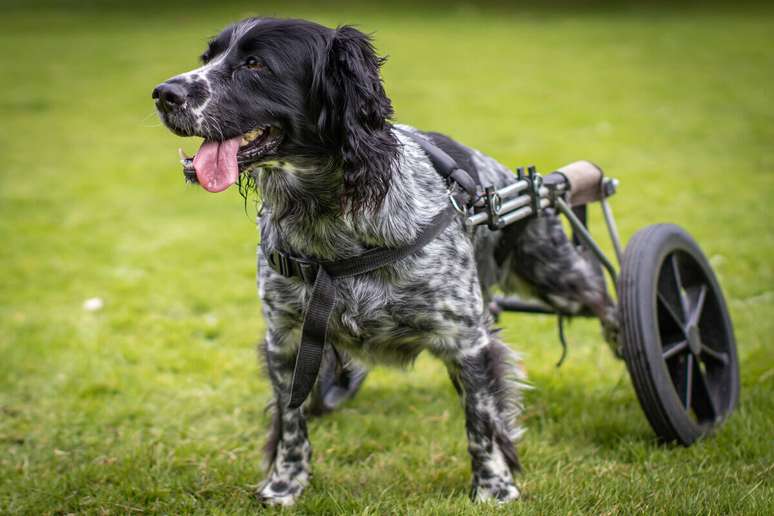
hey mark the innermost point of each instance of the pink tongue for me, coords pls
(216, 164)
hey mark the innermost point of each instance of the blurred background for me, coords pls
(128, 308)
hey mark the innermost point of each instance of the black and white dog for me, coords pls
(298, 111)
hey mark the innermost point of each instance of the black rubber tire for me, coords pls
(678, 340)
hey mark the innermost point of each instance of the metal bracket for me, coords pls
(535, 182)
(494, 204)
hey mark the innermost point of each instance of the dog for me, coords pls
(298, 112)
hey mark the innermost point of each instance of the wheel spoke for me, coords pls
(697, 306)
(688, 382)
(680, 285)
(674, 349)
(703, 402)
(670, 310)
(669, 291)
(715, 355)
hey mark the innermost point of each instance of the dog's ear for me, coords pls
(353, 116)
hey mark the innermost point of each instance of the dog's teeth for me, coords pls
(250, 136)
(183, 156)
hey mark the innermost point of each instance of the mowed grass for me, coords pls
(155, 403)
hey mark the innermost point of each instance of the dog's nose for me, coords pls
(169, 95)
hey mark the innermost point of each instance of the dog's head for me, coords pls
(273, 91)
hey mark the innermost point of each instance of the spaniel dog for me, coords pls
(298, 112)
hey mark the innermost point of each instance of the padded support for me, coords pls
(585, 180)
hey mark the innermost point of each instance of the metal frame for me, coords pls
(529, 195)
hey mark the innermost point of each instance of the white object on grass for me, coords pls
(93, 304)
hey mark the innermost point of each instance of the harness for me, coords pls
(323, 275)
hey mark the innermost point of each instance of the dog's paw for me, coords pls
(499, 492)
(279, 492)
(611, 332)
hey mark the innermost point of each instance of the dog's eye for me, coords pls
(254, 64)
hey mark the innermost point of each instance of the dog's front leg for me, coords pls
(288, 451)
(487, 377)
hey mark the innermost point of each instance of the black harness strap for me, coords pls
(445, 164)
(313, 336)
(457, 151)
(379, 257)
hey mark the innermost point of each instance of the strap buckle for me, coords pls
(290, 267)
(280, 262)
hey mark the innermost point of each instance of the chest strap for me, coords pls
(323, 276)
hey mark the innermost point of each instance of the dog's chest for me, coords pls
(431, 300)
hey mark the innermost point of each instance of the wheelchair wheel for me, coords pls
(678, 341)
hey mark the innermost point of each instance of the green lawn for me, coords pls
(155, 403)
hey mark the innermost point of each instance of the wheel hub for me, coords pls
(694, 340)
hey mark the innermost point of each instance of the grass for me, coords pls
(155, 403)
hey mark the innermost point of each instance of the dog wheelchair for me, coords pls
(676, 337)
(676, 334)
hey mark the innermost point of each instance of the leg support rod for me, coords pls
(607, 212)
(585, 236)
